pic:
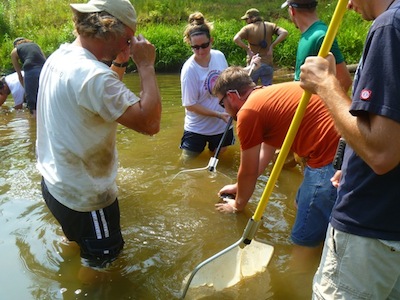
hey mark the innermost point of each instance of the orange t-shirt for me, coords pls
(268, 113)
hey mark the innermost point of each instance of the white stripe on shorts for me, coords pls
(105, 226)
(96, 225)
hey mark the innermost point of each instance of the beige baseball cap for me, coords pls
(252, 12)
(123, 10)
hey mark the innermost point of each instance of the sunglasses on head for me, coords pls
(202, 46)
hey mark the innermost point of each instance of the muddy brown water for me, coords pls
(169, 225)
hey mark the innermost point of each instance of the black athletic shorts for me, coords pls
(98, 233)
(197, 142)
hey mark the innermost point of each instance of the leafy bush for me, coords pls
(49, 23)
(170, 49)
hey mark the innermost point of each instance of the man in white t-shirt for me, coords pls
(81, 101)
(10, 85)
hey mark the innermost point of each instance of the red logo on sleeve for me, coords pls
(365, 94)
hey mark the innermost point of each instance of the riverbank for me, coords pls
(287, 74)
(48, 23)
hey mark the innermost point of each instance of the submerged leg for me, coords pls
(188, 155)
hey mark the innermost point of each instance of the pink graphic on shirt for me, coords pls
(211, 78)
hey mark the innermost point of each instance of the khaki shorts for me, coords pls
(355, 267)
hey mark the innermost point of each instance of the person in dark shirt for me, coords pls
(361, 254)
(29, 57)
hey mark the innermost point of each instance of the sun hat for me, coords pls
(252, 12)
(300, 3)
(120, 9)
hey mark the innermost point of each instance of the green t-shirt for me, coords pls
(310, 43)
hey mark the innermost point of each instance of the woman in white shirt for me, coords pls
(205, 119)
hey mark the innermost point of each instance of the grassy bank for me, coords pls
(48, 23)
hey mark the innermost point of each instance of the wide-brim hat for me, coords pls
(252, 12)
(300, 3)
(123, 10)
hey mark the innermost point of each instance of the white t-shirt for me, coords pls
(196, 84)
(79, 100)
(16, 89)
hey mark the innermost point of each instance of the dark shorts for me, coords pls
(98, 233)
(197, 142)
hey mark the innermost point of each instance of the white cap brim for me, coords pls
(284, 4)
(85, 8)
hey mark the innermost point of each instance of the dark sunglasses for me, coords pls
(221, 102)
(202, 46)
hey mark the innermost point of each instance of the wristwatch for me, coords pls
(123, 65)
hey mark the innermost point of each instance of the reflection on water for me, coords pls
(169, 224)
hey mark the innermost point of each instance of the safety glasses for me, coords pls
(221, 102)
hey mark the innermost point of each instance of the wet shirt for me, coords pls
(80, 100)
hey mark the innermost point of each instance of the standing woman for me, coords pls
(28, 56)
(205, 119)
(256, 37)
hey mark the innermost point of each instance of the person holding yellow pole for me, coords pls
(362, 247)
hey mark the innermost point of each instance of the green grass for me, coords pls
(49, 23)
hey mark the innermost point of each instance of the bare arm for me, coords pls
(376, 139)
(282, 34)
(238, 41)
(247, 176)
(17, 65)
(267, 153)
(343, 74)
(145, 115)
(202, 110)
(3, 98)
(122, 57)
(246, 181)
(253, 162)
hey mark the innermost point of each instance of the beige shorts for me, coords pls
(355, 267)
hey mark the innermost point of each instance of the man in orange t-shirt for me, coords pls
(263, 116)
